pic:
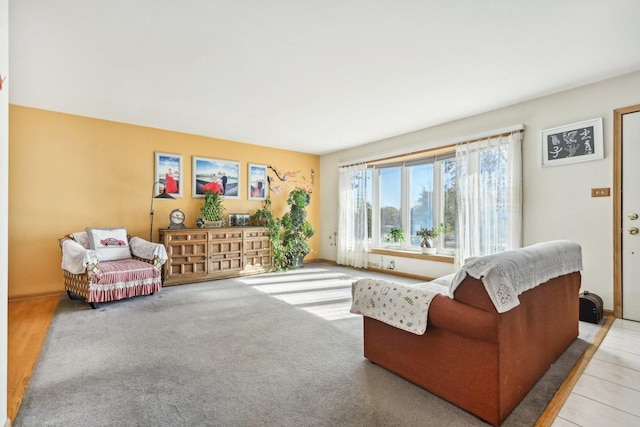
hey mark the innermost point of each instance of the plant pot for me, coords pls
(296, 262)
(429, 251)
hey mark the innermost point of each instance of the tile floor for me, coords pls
(608, 392)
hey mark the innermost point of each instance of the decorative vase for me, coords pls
(429, 251)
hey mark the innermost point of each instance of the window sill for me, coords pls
(411, 254)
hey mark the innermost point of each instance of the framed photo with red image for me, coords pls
(215, 175)
(168, 172)
(258, 184)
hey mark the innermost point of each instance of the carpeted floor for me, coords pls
(268, 350)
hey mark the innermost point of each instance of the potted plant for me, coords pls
(212, 209)
(296, 230)
(429, 235)
(395, 235)
(263, 216)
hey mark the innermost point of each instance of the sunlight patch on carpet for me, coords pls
(315, 297)
(304, 286)
(334, 311)
(323, 293)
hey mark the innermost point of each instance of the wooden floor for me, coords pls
(608, 391)
(28, 322)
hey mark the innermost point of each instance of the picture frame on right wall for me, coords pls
(577, 142)
(258, 184)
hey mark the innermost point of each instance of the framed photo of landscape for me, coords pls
(258, 185)
(218, 175)
(168, 172)
(577, 142)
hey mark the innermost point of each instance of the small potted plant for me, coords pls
(429, 235)
(263, 217)
(212, 210)
(395, 235)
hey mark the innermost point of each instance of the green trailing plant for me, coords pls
(429, 234)
(212, 209)
(395, 235)
(264, 217)
(296, 230)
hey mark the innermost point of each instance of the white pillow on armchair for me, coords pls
(111, 244)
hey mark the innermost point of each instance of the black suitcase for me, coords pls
(590, 307)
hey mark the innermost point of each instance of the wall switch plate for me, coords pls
(600, 192)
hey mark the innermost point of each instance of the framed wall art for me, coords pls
(168, 171)
(238, 220)
(577, 142)
(258, 186)
(214, 175)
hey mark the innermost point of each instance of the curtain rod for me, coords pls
(452, 141)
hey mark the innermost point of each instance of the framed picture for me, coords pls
(168, 171)
(577, 142)
(258, 186)
(238, 220)
(214, 175)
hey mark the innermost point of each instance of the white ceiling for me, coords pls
(309, 75)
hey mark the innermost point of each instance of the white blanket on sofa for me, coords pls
(403, 306)
(507, 274)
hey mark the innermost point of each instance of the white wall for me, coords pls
(4, 200)
(557, 200)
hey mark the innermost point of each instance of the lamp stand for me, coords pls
(162, 195)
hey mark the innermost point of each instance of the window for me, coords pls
(412, 195)
(390, 200)
(474, 188)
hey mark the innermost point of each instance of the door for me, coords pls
(630, 214)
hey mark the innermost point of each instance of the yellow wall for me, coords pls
(69, 172)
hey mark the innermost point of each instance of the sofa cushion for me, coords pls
(111, 244)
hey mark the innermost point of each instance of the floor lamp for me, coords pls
(162, 195)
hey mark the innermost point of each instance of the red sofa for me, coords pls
(480, 360)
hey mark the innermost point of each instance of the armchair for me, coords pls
(104, 264)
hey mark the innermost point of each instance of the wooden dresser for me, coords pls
(202, 254)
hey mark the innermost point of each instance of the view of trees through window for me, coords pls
(421, 199)
(450, 202)
(424, 193)
(427, 198)
(390, 190)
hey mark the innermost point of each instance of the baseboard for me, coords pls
(16, 298)
(321, 261)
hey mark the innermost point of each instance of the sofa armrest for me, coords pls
(76, 259)
(144, 249)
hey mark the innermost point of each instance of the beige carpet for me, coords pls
(278, 349)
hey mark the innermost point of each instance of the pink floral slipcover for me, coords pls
(123, 279)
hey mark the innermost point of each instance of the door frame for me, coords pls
(617, 205)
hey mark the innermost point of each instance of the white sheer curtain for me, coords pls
(489, 196)
(352, 239)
